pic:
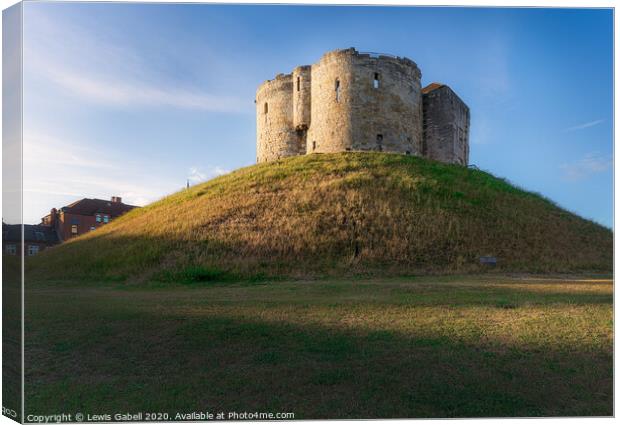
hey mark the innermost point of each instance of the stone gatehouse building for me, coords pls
(353, 101)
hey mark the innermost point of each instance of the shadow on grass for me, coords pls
(117, 358)
(11, 336)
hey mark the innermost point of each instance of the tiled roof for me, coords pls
(89, 206)
(431, 87)
(32, 233)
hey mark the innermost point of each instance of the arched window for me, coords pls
(266, 108)
(375, 83)
(337, 88)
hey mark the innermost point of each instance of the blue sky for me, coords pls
(133, 99)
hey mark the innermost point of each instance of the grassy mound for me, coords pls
(335, 214)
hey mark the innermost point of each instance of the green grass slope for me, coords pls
(335, 214)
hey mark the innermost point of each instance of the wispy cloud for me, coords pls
(585, 125)
(592, 163)
(100, 71)
(58, 170)
(65, 62)
(134, 93)
(197, 175)
(61, 167)
(71, 170)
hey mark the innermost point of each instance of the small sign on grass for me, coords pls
(488, 260)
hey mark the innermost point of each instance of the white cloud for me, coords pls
(585, 125)
(198, 176)
(592, 163)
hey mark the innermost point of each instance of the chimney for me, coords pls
(116, 199)
(53, 213)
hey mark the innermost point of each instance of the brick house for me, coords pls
(36, 238)
(83, 216)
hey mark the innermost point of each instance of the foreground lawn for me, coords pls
(423, 347)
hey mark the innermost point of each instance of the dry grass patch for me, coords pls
(336, 215)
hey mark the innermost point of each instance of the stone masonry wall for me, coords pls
(386, 105)
(331, 99)
(301, 97)
(276, 137)
(364, 103)
(446, 127)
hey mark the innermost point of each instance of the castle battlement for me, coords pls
(360, 101)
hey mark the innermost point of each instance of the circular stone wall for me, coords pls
(365, 103)
(330, 109)
(276, 137)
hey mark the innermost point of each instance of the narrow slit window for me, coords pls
(313, 145)
(266, 108)
(380, 142)
(337, 90)
(375, 83)
(298, 83)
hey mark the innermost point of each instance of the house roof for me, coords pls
(32, 233)
(88, 206)
(431, 87)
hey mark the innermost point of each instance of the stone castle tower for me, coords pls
(352, 101)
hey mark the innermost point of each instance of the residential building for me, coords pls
(36, 238)
(84, 216)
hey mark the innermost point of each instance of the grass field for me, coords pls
(378, 348)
